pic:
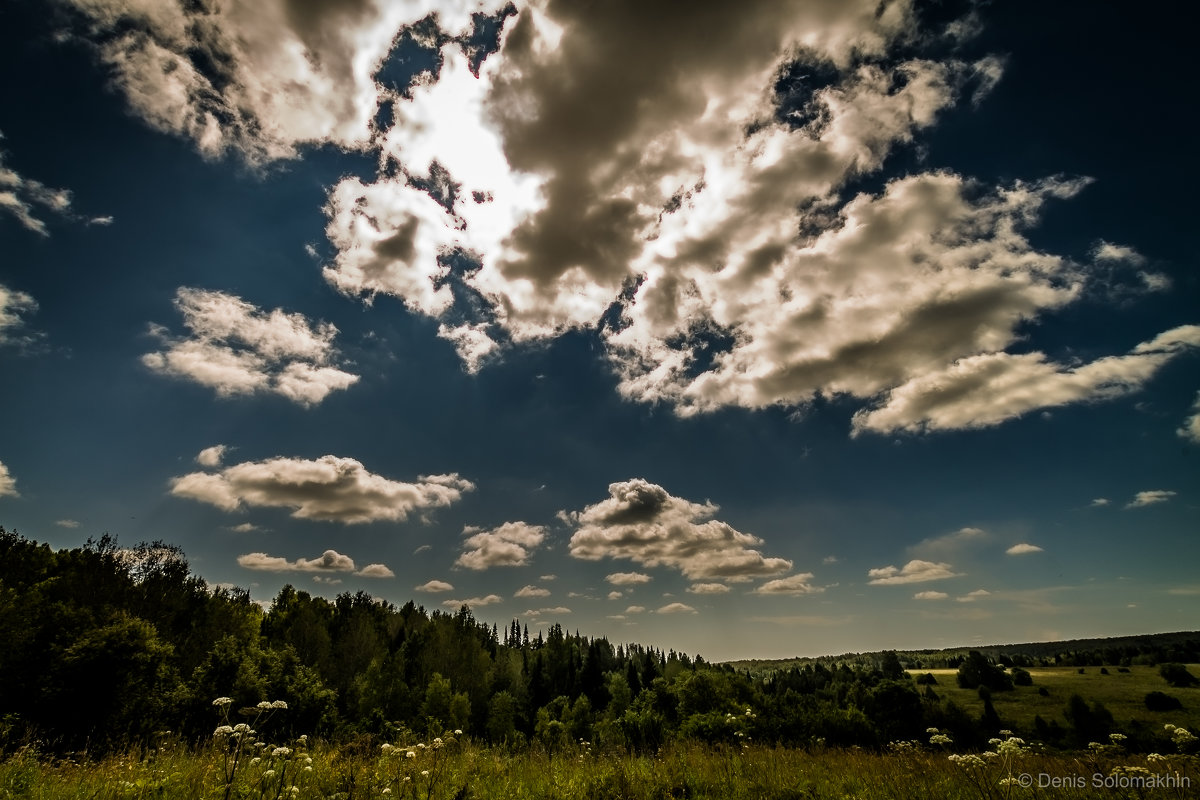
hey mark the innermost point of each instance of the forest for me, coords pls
(106, 646)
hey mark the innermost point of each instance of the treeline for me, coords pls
(105, 646)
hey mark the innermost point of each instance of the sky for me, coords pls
(751, 330)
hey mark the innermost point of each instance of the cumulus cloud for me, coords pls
(1149, 498)
(539, 612)
(949, 543)
(1023, 548)
(211, 456)
(259, 78)
(1100, 502)
(328, 488)
(627, 578)
(474, 602)
(434, 587)
(14, 307)
(641, 522)
(509, 545)
(987, 389)
(635, 610)
(615, 595)
(531, 591)
(914, 571)
(930, 596)
(329, 561)
(237, 349)
(245, 527)
(793, 585)
(67, 523)
(676, 608)
(971, 597)
(376, 571)
(8, 484)
(710, 588)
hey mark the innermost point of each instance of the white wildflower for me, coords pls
(224, 730)
(223, 701)
(279, 704)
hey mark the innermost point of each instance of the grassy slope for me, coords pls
(1121, 693)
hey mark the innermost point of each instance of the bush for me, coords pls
(1021, 677)
(1160, 701)
(1177, 675)
(977, 671)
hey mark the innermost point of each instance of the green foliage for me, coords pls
(1161, 701)
(1178, 676)
(976, 670)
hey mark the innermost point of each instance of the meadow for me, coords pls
(1122, 691)
(459, 768)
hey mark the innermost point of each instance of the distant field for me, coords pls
(1122, 693)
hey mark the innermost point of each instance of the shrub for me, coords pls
(926, 680)
(1021, 677)
(1160, 701)
(1177, 675)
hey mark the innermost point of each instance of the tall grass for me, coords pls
(460, 769)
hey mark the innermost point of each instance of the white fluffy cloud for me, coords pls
(676, 608)
(915, 571)
(376, 571)
(211, 456)
(1149, 498)
(627, 578)
(1022, 549)
(8, 484)
(971, 597)
(14, 307)
(710, 588)
(931, 595)
(256, 77)
(987, 389)
(328, 488)
(434, 587)
(329, 561)
(509, 545)
(641, 522)
(793, 585)
(531, 591)
(237, 349)
(474, 602)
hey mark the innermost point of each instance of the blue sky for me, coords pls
(790, 329)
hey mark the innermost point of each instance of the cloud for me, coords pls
(971, 597)
(1099, 502)
(1190, 429)
(1149, 498)
(951, 542)
(22, 198)
(641, 522)
(538, 612)
(326, 580)
(793, 585)
(987, 389)
(627, 578)
(211, 456)
(509, 545)
(375, 571)
(710, 588)
(1022, 549)
(914, 571)
(635, 610)
(531, 591)
(14, 306)
(257, 78)
(434, 587)
(237, 349)
(615, 595)
(474, 602)
(329, 561)
(67, 523)
(245, 527)
(676, 608)
(8, 484)
(328, 488)
(930, 596)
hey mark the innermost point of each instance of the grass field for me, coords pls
(463, 771)
(1122, 693)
